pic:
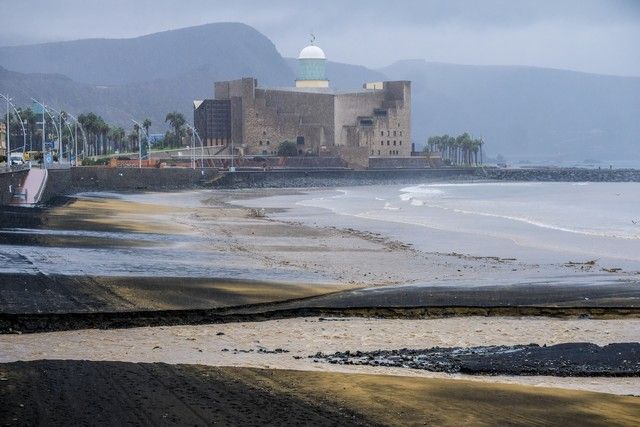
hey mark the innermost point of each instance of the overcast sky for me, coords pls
(601, 36)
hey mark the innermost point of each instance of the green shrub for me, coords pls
(287, 149)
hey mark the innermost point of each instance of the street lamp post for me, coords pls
(195, 132)
(84, 136)
(53, 121)
(70, 134)
(8, 136)
(140, 142)
(24, 132)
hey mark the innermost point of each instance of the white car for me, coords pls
(16, 159)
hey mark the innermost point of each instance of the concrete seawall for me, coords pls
(75, 180)
(9, 182)
(561, 174)
(329, 178)
(70, 181)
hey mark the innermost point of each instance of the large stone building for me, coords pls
(374, 121)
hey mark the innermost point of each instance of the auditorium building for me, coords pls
(374, 121)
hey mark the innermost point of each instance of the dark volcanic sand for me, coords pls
(70, 392)
(116, 393)
(39, 302)
(570, 359)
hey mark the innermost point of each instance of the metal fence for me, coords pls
(14, 168)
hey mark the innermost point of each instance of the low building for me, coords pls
(369, 122)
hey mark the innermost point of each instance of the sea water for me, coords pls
(535, 222)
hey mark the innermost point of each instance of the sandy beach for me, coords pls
(183, 261)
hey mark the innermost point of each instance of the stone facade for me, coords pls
(375, 120)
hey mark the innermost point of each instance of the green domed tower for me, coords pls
(312, 64)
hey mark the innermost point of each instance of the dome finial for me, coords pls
(313, 38)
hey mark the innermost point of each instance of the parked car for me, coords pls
(16, 159)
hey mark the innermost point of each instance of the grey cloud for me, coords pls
(588, 35)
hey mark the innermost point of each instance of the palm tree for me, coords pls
(146, 124)
(177, 121)
(132, 138)
(116, 135)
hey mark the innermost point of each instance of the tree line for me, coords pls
(460, 150)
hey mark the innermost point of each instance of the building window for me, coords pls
(264, 133)
(394, 143)
(268, 142)
(381, 142)
(381, 133)
(260, 143)
(400, 133)
(388, 133)
(400, 142)
(388, 142)
(394, 133)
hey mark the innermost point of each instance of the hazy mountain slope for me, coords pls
(526, 112)
(345, 76)
(232, 49)
(117, 104)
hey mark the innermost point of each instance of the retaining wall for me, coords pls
(88, 178)
(9, 182)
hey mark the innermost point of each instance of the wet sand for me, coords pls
(254, 344)
(81, 392)
(193, 250)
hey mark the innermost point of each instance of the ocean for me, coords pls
(534, 222)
